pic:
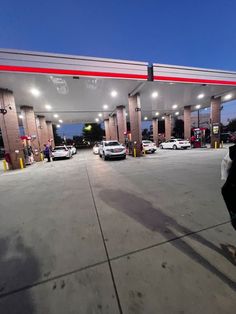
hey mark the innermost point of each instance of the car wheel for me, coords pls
(124, 157)
(174, 147)
(104, 157)
(161, 147)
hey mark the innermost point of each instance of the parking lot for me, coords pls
(141, 235)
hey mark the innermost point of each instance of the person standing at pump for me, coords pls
(47, 152)
(228, 173)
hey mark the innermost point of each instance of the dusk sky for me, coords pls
(185, 32)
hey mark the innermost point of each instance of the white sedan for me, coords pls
(96, 148)
(72, 148)
(175, 143)
(149, 146)
(61, 152)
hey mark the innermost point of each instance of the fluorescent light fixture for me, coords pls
(175, 106)
(206, 108)
(157, 113)
(200, 96)
(228, 97)
(126, 114)
(60, 121)
(163, 118)
(154, 94)
(20, 116)
(48, 107)
(177, 113)
(113, 93)
(105, 106)
(145, 118)
(198, 106)
(97, 120)
(58, 126)
(100, 114)
(55, 115)
(35, 92)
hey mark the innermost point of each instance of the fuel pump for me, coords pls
(198, 139)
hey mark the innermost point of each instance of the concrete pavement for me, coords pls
(135, 236)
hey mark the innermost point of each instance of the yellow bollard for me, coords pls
(4, 165)
(144, 152)
(21, 163)
(215, 145)
(222, 144)
(41, 156)
(135, 154)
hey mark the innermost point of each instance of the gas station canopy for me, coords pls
(81, 89)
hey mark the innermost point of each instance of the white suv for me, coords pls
(112, 149)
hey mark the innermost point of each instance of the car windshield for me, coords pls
(112, 144)
(146, 142)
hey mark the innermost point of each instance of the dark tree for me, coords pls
(93, 132)
(232, 125)
(145, 134)
(179, 128)
(161, 126)
(57, 138)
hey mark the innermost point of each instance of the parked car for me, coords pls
(61, 152)
(149, 146)
(175, 143)
(226, 137)
(96, 148)
(112, 149)
(72, 148)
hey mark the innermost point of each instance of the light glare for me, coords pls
(154, 94)
(35, 92)
(113, 93)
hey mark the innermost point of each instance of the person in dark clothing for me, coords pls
(229, 188)
(47, 152)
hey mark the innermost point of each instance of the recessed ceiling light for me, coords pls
(58, 126)
(227, 97)
(35, 92)
(145, 118)
(60, 121)
(157, 113)
(48, 107)
(177, 113)
(100, 114)
(154, 94)
(175, 106)
(97, 120)
(113, 93)
(105, 106)
(200, 96)
(20, 116)
(163, 118)
(206, 108)
(198, 106)
(55, 115)
(171, 83)
(126, 114)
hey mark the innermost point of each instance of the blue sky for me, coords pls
(184, 32)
